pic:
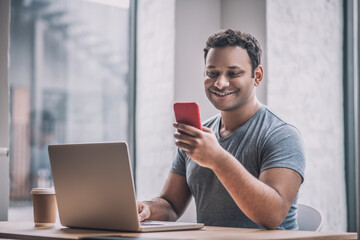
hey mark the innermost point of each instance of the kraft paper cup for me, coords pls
(45, 208)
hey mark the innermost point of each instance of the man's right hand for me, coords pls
(143, 211)
(171, 203)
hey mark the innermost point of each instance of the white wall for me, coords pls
(4, 107)
(155, 95)
(305, 87)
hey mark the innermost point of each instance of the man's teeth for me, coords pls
(223, 94)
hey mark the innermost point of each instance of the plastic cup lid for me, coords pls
(43, 191)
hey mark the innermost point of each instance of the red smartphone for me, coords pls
(188, 113)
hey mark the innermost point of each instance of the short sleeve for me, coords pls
(284, 148)
(178, 165)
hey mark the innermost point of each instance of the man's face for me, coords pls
(228, 82)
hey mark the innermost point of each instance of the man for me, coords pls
(245, 167)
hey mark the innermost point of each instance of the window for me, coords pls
(69, 82)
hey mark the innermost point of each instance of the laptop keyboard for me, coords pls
(150, 224)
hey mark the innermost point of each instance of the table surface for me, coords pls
(27, 231)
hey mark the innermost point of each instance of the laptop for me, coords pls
(95, 189)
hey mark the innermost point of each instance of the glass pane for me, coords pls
(68, 82)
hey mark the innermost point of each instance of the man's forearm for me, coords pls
(161, 210)
(260, 202)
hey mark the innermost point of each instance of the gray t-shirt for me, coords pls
(263, 142)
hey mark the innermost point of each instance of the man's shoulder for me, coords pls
(272, 116)
(275, 129)
(276, 122)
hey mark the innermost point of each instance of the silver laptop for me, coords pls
(94, 189)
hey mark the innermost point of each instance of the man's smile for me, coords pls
(221, 93)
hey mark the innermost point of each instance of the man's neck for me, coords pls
(232, 120)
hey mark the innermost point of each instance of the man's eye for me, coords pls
(235, 74)
(212, 74)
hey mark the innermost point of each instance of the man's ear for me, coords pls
(258, 75)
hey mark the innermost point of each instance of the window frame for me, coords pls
(132, 83)
(351, 90)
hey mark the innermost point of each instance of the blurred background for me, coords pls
(85, 71)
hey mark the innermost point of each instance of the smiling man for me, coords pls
(245, 167)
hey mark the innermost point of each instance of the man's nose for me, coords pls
(221, 82)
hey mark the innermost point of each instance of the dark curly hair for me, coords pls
(230, 38)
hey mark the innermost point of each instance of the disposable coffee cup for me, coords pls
(45, 208)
